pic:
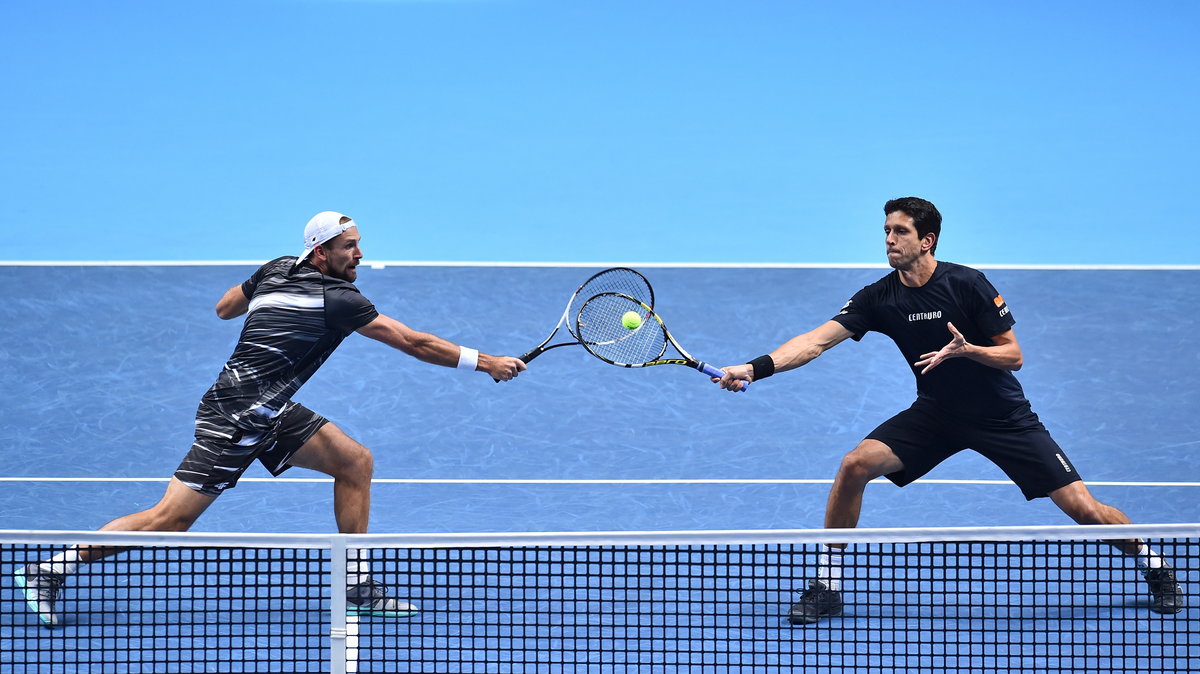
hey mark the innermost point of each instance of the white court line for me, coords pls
(380, 264)
(326, 480)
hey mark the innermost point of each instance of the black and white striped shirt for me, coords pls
(297, 317)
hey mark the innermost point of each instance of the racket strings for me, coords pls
(602, 331)
(616, 280)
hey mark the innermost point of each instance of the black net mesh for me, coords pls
(948, 606)
(174, 610)
(945, 607)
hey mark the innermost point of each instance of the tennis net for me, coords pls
(1045, 599)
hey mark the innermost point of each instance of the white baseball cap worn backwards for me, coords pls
(323, 227)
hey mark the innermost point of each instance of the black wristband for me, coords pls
(763, 367)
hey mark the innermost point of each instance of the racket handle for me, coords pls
(526, 357)
(717, 374)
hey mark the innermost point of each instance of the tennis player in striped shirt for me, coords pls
(298, 310)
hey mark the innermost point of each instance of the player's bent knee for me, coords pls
(354, 461)
(868, 461)
(336, 454)
(364, 462)
(855, 466)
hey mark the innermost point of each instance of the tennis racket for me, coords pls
(615, 280)
(600, 327)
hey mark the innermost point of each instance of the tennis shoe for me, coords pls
(41, 588)
(817, 602)
(370, 598)
(1168, 596)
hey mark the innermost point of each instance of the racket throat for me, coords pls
(677, 361)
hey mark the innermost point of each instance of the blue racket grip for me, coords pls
(714, 372)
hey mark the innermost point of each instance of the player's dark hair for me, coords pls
(925, 215)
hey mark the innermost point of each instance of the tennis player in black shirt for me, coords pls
(298, 310)
(967, 397)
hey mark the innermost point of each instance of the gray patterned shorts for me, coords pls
(222, 451)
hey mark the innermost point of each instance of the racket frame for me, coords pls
(565, 319)
(688, 360)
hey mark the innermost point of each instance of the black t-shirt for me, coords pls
(297, 317)
(916, 318)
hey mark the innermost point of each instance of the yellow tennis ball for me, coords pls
(631, 320)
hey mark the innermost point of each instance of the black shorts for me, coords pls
(924, 435)
(222, 451)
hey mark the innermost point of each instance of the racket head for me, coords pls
(622, 280)
(599, 328)
(614, 279)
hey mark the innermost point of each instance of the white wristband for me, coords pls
(468, 359)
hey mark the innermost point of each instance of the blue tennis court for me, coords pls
(106, 364)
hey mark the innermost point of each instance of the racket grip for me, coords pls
(717, 374)
(526, 357)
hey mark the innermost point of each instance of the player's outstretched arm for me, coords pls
(792, 354)
(433, 349)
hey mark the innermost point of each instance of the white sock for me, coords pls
(1148, 559)
(829, 567)
(66, 561)
(358, 569)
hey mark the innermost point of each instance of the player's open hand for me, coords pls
(737, 378)
(957, 347)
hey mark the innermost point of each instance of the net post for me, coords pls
(337, 604)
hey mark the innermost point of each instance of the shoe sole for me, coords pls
(32, 603)
(357, 611)
(809, 620)
(1162, 610)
